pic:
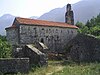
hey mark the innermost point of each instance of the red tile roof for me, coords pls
(28, 21)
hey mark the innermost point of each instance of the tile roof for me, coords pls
(28, 21)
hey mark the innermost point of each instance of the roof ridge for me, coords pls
(38, 20)
(28, 21)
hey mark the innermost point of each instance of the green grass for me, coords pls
(56, 68)
(82, 69)
(67, 68)
(52, 67)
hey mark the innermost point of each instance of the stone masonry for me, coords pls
(69, 16)
(25, 32)
(35, 54)
(14, 65)
(55, 38)
(84, 48)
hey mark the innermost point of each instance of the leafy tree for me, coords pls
(79, 24)
(5, 48)
(82, 28)
(91, 27)
(85, 30)
(95, 30)
(88, 24)
(3, 38)
(97, 20)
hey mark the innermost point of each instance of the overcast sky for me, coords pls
(28, 8)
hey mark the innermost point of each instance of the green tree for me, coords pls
(95, 30)
(79, 24)
(97, 20)
(82, 28)
(91, 27)
(85, 30)
(5, 48)
(88, 24)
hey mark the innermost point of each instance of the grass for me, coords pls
(57, 68)
(53, 66)
(68, 68)
(82, 69)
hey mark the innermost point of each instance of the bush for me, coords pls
(5, 48)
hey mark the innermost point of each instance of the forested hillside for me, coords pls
(92, 26)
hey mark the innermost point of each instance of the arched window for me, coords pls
(42, 40)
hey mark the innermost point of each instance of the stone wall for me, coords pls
(17, 52)
(55, 38)
(84, 48)
(14, 65)
(12, 36)
(36, 56)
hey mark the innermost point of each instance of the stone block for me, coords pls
(14, 65)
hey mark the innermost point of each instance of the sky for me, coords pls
(28, 8)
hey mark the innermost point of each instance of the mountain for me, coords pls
(54, 15)
(5, 21)
(83, 11)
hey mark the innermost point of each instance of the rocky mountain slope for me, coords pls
(5, 21)
(83, 11)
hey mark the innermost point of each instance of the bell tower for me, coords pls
(69, 16)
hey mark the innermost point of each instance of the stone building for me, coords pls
(55, 35)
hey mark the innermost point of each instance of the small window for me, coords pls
(57, 37)
(34, 28)
(42, 28)
(42, 40)
(49, 29)
(46, 36)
